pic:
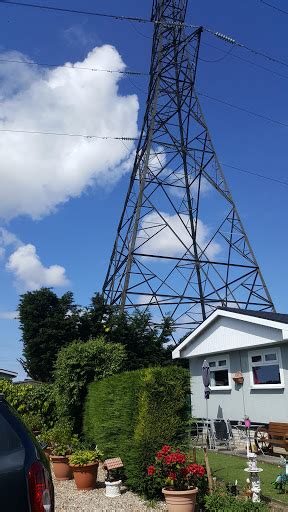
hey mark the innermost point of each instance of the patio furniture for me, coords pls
(275, 435)
(201, 432)
(222, 434)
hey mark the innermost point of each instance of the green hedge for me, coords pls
(133, 414)
(35, 403)
(77, 365)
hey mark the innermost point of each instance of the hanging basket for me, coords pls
(238, 377)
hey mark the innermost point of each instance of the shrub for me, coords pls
(133, 414)
(227, 503)
(35, 403)
(61, 439)
(79, 364)
(83, 457)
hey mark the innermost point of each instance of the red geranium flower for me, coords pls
(173, 468)
(165, 449)
(151, 470)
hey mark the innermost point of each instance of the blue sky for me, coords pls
(70, 221)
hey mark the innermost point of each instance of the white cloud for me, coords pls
(39, 172)
(7, 239)
(29, 271)
(79, 35)
(166, 241)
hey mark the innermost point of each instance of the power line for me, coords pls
(85, 136)
(219, 35)
(234, 56)
(274, 7)
(245, 47)
(98, 14)
(83, 68)
(122, 139)
(76, 11)
(258, 175)
(141, 73)
(226, 54)
(242, 109)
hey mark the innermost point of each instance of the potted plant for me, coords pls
(179, 478)
(63, 443)
(34, 422)
(113, 483)
(84, 464)
(44, 439)
(238, 377)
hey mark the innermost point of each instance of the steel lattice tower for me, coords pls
(181, 248)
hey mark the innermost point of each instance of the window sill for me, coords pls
(220, 388)
(268, 386)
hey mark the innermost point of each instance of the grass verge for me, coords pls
(229, 468)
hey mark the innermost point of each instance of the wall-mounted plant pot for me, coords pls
(238, 378)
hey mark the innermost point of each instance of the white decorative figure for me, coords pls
(254, 476)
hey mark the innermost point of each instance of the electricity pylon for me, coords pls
(181, 248)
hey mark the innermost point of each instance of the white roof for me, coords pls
(205, 339)
(8, 372)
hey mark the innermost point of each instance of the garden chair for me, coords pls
(222, 434)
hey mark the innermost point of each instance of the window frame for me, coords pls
(216, 359)
(262, 352)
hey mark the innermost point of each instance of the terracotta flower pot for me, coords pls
(62, 470)
(85, 476)
(180, 501)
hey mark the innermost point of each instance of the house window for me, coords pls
(266, 368)
(219, 372)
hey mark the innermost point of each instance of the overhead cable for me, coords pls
(219, 35)
(122, 139)
(98, 14)
(258, 175)
(235, 56)
(242, 109)
(274, 7)
(71, 66)
(85, 136)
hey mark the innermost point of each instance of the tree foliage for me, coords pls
(77, 365)
(34, 403)
(48, 323)
(145, 343)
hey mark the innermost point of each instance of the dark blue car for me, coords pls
(25, 477)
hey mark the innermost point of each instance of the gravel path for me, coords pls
(68, 499)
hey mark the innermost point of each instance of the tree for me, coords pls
(97, 315)
(145, 344)
(48, 323)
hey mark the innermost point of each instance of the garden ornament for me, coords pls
(282, 478)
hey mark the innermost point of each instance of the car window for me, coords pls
(9, 441)
(12, 451)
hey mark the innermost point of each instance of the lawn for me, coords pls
(230, 468)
